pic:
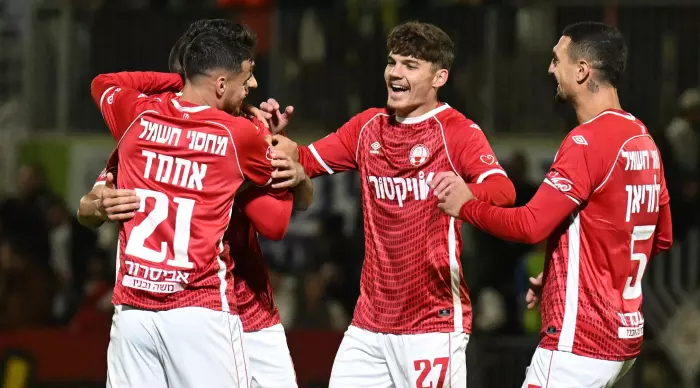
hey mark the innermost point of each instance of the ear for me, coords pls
(583, 72)
(440, 78)
(220, 85)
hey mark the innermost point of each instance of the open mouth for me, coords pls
(398, 88)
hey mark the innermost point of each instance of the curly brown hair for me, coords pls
(422, 41)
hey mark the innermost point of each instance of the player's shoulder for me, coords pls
(609, 128)
(453, 121)
(370, 114)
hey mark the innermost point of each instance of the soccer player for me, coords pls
(604, 208)
(185, 156)
(413, 317)
(255, 211)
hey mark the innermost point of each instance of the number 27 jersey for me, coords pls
(592, 297)
(185, 163)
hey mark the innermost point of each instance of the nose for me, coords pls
(252, 82)
(551, 68)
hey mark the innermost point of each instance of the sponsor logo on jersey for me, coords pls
(561, 183)
(487, 159)
(418, 155)
(375, 148)
(400, 189)
(268, 153)
(110, 99)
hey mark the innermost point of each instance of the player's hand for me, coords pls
(452, 192)
(289, 173)
(117, 204)
(278, 120)
(251, 111)
(286, 145)
(534, 292)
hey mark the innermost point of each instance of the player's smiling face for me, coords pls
(563, 69)
(412, 84)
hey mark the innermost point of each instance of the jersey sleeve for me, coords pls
(270, 215)
(336, 152)
(118, 95)
(470, 151)
(253, 152)
(576, 172)
(112, 164)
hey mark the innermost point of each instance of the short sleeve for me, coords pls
(119, 107)
(573, 173)
(470, 151)
(336, 152)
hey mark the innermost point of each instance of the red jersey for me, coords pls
(185, 163)
(592, 297)
(412, 276)
(252, 289)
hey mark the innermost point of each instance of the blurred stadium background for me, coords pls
(326, 58)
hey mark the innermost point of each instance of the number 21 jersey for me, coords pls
(185, 163)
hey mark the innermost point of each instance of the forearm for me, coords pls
(496, 189)
(527, 224)
(303, 194)
(88, 214)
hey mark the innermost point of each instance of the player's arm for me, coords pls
(527, 224)
(88, 210)
(116, 94)
(663, 234)
(570, 181)
(336, 152)
(303, 194)
(270, 215)
(477, 164)
(106, 203)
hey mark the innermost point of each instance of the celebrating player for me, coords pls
(185, 156)
(266, 348)
(605, 208)
(413, 317)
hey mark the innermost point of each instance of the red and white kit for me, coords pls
(608, 178)
(175, 323)
(268, 361)
(413, 317)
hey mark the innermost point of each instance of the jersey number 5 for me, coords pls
(181, 236)
(633, 288)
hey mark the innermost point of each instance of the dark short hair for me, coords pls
(237, 32)
(422, 41)
(602, 46)
(210, 51)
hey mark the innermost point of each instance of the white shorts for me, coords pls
(269, 362)
(374, 360)
(557, 369)
(180, 348)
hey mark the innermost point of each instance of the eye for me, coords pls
(412, 67)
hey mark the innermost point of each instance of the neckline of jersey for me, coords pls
(423, 117)
(616, 112)
(187, 109)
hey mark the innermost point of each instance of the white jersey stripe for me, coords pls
(454, 277)
(568, 326)
(320, 160)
